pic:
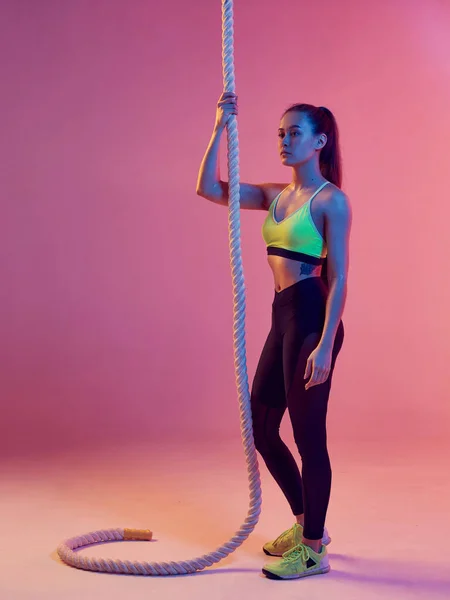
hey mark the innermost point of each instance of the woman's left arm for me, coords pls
(338, 220)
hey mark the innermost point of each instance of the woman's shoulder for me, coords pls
(271, 191)
(336, 201)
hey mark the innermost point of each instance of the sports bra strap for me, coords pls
(318, 190)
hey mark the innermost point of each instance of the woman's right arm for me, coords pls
(209, 184)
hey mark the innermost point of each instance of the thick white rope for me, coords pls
(107, 565)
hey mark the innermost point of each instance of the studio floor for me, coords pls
(388, 519)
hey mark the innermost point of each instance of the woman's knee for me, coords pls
(266, 441)
(312, 447)
(266, 433)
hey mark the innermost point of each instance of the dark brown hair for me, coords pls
(322, 121)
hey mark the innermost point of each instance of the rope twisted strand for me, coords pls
(108, 565)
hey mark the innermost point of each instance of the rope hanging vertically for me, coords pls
(66, 549)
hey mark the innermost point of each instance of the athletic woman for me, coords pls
(306, 231)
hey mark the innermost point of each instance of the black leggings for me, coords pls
(298, 315)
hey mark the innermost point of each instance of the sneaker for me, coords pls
(289, 539)
(300, 561)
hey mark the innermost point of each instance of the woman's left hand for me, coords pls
(318, 366)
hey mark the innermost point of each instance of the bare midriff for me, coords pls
(286, 271)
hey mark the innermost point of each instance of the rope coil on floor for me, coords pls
(66, 549)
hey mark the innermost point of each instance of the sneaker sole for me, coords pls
(325, 543)
(271, 575)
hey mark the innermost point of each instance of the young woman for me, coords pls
(307, 233)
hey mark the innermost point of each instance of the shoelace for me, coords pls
(299, 551)
(281, 537)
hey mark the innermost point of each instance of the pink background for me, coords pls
(116, 305)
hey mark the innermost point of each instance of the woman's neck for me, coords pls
(306, 176)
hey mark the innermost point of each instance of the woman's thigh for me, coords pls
(307, 408)
(268, 383)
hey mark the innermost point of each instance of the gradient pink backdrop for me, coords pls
(116, 305)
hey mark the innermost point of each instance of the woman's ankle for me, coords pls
(316, 545)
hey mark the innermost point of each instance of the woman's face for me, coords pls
(296, 142)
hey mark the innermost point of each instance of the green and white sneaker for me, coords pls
(289, 539)
(300, 561)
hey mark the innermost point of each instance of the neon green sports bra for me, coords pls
(296, 236)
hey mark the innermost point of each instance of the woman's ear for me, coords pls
(321, 141)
